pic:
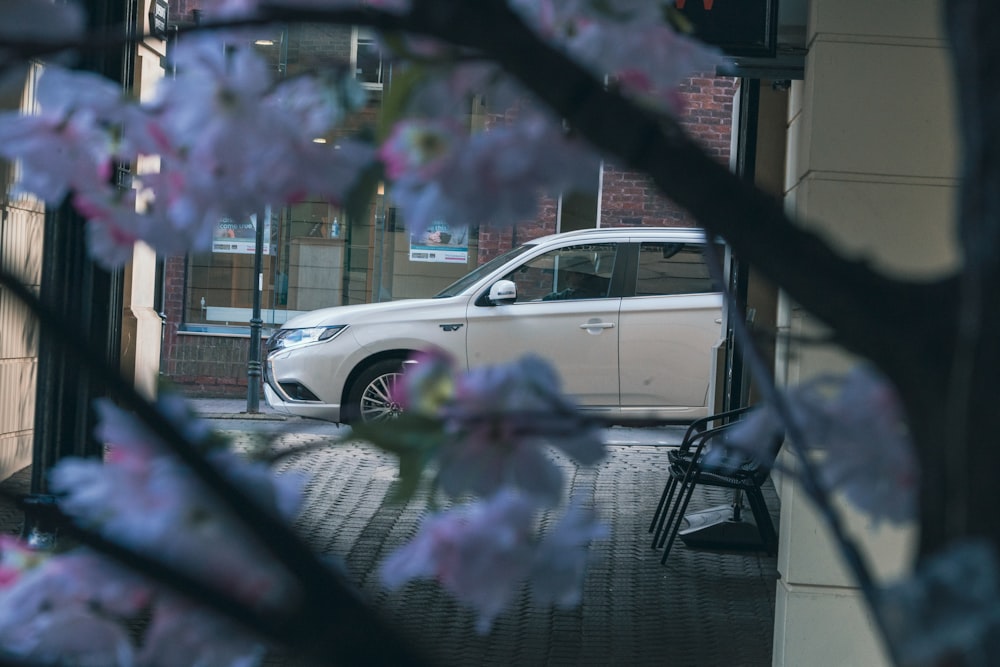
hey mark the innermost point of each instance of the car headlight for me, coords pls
(285, 339)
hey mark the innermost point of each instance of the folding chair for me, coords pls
(745, 479)
(682, 456)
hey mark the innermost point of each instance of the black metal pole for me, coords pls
(89, 298)
(737, 382)
(253, 362)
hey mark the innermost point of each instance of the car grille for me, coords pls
(297, 391)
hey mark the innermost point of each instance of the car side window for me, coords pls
(574, 272)
(672, 268)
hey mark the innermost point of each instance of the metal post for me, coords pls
(91, 300)
(737, 382)
(256, 323)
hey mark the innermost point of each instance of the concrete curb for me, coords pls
(256, 416)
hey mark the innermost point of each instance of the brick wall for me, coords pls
(629, 199)
(202, 365)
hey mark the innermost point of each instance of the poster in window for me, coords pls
(240, 238)
(441, 242)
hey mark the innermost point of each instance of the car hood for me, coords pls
(366, 312)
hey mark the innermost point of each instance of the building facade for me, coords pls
(315, 255)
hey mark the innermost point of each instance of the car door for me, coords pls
(669, 328)
(572, 321)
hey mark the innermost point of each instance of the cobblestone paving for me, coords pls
(701, 609)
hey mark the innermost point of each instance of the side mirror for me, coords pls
(503, 291)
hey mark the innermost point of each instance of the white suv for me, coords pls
(628, 316)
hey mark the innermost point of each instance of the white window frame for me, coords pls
(359, 36)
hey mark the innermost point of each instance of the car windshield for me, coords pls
(468, 279)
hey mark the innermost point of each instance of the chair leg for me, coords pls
(660, 519)
(668, 517)
(677, 516)
(680, 484)
(657, 519)
(762, 517)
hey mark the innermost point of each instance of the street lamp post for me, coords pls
(253, 358)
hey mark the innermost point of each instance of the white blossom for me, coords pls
(855, 425)
(948, 612)
(483, 552)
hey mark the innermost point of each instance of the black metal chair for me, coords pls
(745, 477)
(682, 457)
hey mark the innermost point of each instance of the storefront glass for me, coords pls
(314, 255)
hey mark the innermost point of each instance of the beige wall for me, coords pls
(871, 165)
(22, 221)
(20, 251)
(142, 327)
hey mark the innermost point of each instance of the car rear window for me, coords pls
(672, 268)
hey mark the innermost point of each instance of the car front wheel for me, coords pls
(370, 398)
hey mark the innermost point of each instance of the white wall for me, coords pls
(871, 165)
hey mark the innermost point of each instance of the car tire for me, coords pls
(369, 398)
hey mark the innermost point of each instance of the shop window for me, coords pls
(581, 209)
(303, 268)
(366, 58)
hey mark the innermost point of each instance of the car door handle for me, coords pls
(597, 325)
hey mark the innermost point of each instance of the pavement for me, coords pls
(230, 409)
(701, 609)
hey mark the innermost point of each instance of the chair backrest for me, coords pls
(705, 424)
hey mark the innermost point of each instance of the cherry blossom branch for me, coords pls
(333, 614)
(202, 592)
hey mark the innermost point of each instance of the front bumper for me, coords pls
(280, 400)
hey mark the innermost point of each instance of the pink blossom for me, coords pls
(428, 384)
(15, 558)
(869, 455)
(948, 612)
(76, 607)
(626, 39)
(56, 154)
(499, 420)
(494, 176)
(197, 124)
(857, 422)
(70, 635)
(561, 559)
(480, 553)
(146, 498)
(79, 578)
(483, 552)
(183, 634)
(419, 149)
(447, 93)
(67, 607)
